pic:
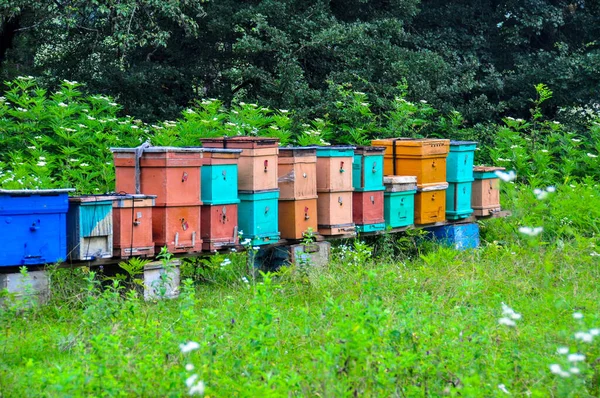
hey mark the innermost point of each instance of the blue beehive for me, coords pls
(219, 184)
(458, 236)
(90, 227)
(33, 226)
(459, 166)
(367, 169)
(258, 216)
(399, 208)
(458, 200)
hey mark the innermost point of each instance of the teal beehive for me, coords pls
(90, 228)
(459, 164)
(258, 216)
(220, 184)
(367, 168)
(399, 208)
(458, 200)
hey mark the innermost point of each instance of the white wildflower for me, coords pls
(84, 164)
(556, 122)
(551, 189)
(541, 195)
(562, 350)
(423, 101)
(544, 150)
(190, 346)
(189, 367)
(42, 158)
(506, 177)
(531, 231)
(62, 105)
(576, 357)
(502, 388)
(575, 140)
(91, 118)
(22, 109)
(31, 147)
(41, 164)
(246, 241)
(557, 370)
(112, 103)
(574, 370)
(283, 111)
(585, 337)
(506, 310)
(191, 380)
(255, 248)
(591, 155)
(577, 315)
(594, 332)
(507, 322)
(198, 388)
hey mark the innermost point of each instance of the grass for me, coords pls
(424, 324)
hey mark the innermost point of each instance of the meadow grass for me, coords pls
(425, 323)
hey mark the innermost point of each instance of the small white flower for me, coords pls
(91, 118)
(557, 370)
(62, 105)
(502, 388)
(594, 332)
(585, 337)
(576, 357)
(544, 150)
(591, 155)
(112, 103)
(191, 380)
(31, 147)
(274, 127)
(134, 126)
(198, 388)
(41, 164)
(514, 146)
(423, 101)
(506, 177)
(556, 122)
(246, 241)
(189, 367)
(540, 195)
(551, 189)
(577, 315)
(283, 111)
(190, 346)
(562, 350)
(255, 248)
(531, 231)
(84, 164)
(575, 140)
(233, 249)
(574, 370)
(507, 322)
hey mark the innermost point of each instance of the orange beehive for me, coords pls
(485, 196)
(132, 226)
(367, 207)
(430, 204)
(170, 173)
(219, 226)
(296, 217)
(334, 168)
(334, 208)
(424, 158)
(177, 227)
(297, 169)
(257, 169)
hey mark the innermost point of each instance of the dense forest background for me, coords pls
(481, 58)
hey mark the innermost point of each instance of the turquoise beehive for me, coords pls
(258, 216)
(399, 200)
(219, 184)
(459, 164)
(367, 169)
(458, 200)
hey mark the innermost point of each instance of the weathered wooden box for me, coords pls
(171, 173)
(132, 226)
(257, 163)
(258, 216)
(367, 208)
(460, 161)
(334, 213)
(430, 204)
(297, 170)
(220, 176)
(296, 217)
(219, 226)
(458, 200)
(90, 227)
(334, 168)
(177, 227)
(367, 168)
(485, 199)
(33, 226)
(423, 158)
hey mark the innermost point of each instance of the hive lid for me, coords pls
(292, 151)
(404, 141)
(452, 142)
(222, 150)
(369, 150)
(242, 142)
(399, 180)
(437, 187)
(159, 149)
(27, 192)
(487, 169)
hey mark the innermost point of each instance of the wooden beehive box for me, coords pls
(400, 183)
(334, 208)
(460, 161)
(297, 170)
(172, 174)
(258, 216)
(367, 211)
(219, 226)
(430, 204)
(485, 199)
(90, 227)
(296, 217)
(257, 163)
(399, 208)
(458, 200)
(220, 176)
(33, 226)
(423, 158)
(177, 228)
(334, 168)
(367, 168)
(132, 226)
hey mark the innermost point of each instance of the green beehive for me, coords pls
(458, 200)
(219, 184)
(258, 216)
(399, 208)
(367, 169)
(459, 164)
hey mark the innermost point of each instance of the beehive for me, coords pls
(334, 208)
(132, 226)
(458, 200)
(90, 227)
(399, 200)
(258, 216)
(257, 169)
(334, 168)
(367, 168)
(430, 204)
(367, 211)
(297, 170)
(33, 226)
(423, 158)
(296, 217)
(219, 226)
(177, 228)
(400, 183)
(460, 161)
(171, 173)
(220, 176)
(485, 199)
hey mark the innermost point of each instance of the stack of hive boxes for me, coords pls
(425, 159)
(90, 227)
(334, 188)
(367, 181)
(257, 185)
(399, 200)
(297, 168)
(219, 194)
(173, 175)
(460, 179)
(486, 190)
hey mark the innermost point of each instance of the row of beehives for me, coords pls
(203, 197)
